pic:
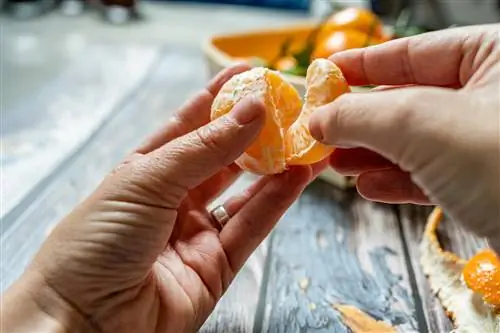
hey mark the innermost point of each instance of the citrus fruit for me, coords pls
(284, 64)
(340, 41)
(482, 275)
(285, 139)
(353, 18)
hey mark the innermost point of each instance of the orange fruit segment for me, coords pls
(285, 139)
(482, 275)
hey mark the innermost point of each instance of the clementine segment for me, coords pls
(285, 139)
(482, 275)
(324, 82)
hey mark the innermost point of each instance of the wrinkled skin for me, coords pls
(430, 132)
(142, 254)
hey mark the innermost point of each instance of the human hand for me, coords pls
(431, 133)
(142, 254)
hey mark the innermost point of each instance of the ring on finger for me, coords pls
(220, 216)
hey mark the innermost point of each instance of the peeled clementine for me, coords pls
(353, 18)
(340, 41)
(482, 275)
(285, 139)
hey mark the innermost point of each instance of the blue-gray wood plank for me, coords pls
(327, 251)
(40, 131)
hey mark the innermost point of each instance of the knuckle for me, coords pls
(405, 113)
(336, 118)
(126, 161)
(209, 137)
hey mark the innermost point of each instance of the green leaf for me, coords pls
(297, 70)
(303, 57)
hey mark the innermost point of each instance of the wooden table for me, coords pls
(331, 247)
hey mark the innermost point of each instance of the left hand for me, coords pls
(142, 253)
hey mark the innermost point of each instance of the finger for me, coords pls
(265, 203)
(217, 184)
(390, 186)
(319, 167)
(387, 122)
(386, 87)
(416, 60)
(353, 161)
(236, 202)
(193, 114)
(190, 160)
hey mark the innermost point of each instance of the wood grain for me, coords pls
(331, 250)
(453, 238)
(41, 131)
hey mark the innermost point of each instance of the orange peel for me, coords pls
(482, 274)
(285, 139)
(360, 322)
(445, 273)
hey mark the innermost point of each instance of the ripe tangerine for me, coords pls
(482, 275)
(285, 139)
(342, 40)
(353, 18)
(286, 63)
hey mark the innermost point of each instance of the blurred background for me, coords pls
(67, 65)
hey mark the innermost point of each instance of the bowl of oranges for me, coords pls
(290, 51)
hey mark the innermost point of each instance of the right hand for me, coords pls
(433, 135)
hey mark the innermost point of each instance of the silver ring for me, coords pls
(220, 215)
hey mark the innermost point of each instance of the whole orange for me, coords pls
(285, 64)
(353, 18)
(340, 41)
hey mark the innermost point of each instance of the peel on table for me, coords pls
(360, 322)
(470, 312)
(285, 139)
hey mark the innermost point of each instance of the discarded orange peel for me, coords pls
(360, 322)
(482, 274)
(285, 139)
(445, 272)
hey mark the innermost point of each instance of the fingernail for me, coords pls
(315, 126)
(246, 111)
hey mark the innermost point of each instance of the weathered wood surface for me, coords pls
(453, 238)
(330, 250)
(45, 128)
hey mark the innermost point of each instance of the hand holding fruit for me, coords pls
(434, 136)
(142, 253)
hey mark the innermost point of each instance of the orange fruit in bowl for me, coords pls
(285, 64)
(353, 18)
(482, 275)
(342, 40)
(285, 139)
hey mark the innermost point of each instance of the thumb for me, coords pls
(189, 160)
(388, 122)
